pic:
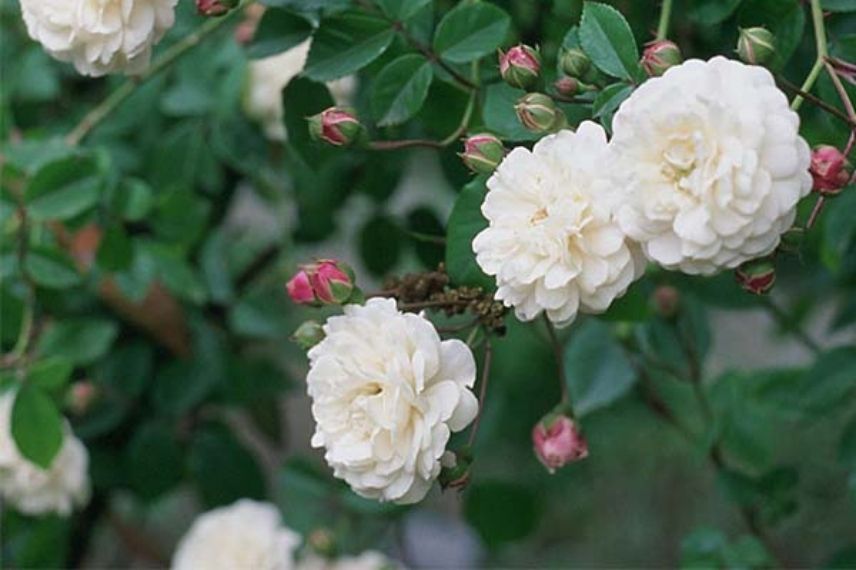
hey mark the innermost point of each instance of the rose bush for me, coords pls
(427, 283)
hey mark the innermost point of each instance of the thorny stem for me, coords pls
(115, 100)
(560, 360)
(665, 16)
(822, 52)
(485, 379)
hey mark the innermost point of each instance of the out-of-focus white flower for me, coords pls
(99, 36)
(36, 491)
(368, 560)
(552, 242)
(386, 395)
(247, 535)
(711, 164)
(269, 76)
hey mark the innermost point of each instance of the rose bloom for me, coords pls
(711, 164)
(552, 242)
(386, 395)
(99, 36)
(35, 491)
(247, 535)
(267, 78)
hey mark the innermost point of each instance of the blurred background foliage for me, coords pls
(154, 254)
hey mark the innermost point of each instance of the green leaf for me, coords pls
(501, 512)
(402, 9)
(400, 89)
(469, 31)
(839, 5)
(608, 40)
(181, 385)
(598, 371)
(711, 12)
(380, 244)
(37, 426)
(465, 222)
(63, 189)
(155, 460)
(608, 101)
(50, 374)
(278, 31)
(345, 43)
(847, 445)
(224, 470)
(303, 98)
(133, 200)
(115, 252)
(80, 341)
(52, 268)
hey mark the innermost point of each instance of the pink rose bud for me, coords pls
(829, 169)
(667, 300)
(659, 56)
(335, 126)
(300, 289)
(567, 86)
(757, 276)
(482, 153)
(557, 441)
(539, 114)
(215, 7)
(81, 397)
(520, 66)
(332, 281)
(308, 335)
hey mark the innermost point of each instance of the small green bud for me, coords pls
(574, 62)
(539, 113)
(756, 46)
(308, 335)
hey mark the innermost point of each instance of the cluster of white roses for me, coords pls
(249, 535)
(36, 491)
(703, 172)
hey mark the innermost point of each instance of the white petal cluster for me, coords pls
(386, 395)
(267, 78)
(552, 241)
(35, 491)
(246, 535)
(99, 36)
(711, 165)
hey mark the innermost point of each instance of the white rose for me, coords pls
(386, 394)
(36, 491)
(552, 242)
(712, 165)
(246, 535)
(267, 78)
(99, 36)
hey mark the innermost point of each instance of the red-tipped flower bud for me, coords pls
(666, 301)
(482, 153)
(215, 7)
(567, 86)
(335, 126)
(308, 335)
(756, 46)
(538, 113)
(520, 66)
(558, 441)
(829, 169)
(81, 396)
(574, 62)
(323, 282)
(659, 56)
(757, 276)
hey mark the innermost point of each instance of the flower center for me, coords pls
(539, 216)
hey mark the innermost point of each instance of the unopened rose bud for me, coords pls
(308, 335)
(482, 153)
(455, 471)
(829, 169)
(322, 542)
(659, 56)
(215, 7)
(757, 276)
(335, 126)
(574, 62)
(558, 441)
(666, 300)
(332, 281)
(300, 289)
(756, 46)
(520, 66)
(538, 113)
(81, 396)
(567, 86)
